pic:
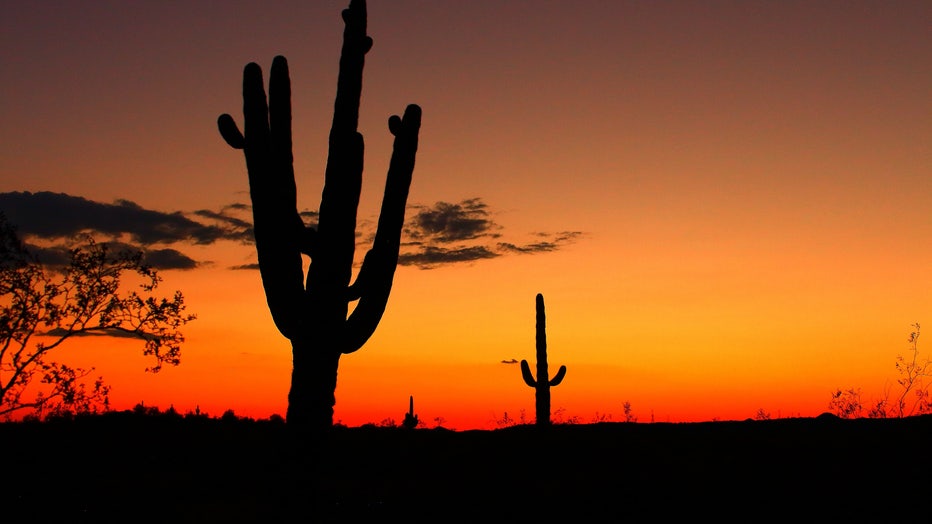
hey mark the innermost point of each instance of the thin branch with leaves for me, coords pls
(42, 307)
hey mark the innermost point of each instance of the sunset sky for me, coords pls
(726, 204)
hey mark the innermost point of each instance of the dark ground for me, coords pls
(124, 467)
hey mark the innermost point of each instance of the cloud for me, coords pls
(465, 232)
(105, 332)
(309, 217)
(452, 233)
(53, 256)
(168, 259)
(235, 228)
(59, 255)
(445, 222)
(510, 361)
(549, 242)
(430, 256)
(50, 215)
(49, 222)
(436, 235)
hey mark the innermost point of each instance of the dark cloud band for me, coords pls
(444, 222)
(465, 232)
(58, 215)
(440, 234)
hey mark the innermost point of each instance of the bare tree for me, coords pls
(41, 307)
(912, 371)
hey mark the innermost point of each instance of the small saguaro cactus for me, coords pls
(410, 421)
(541, 384)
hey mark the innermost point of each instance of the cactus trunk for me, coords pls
(541, 383)
(313, 384)
(314, 312)
(542, 391)
(410, 420)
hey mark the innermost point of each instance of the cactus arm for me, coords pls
(526, 374)
(357, 288)
(352, 60)
(329, 274)
(374, 282)
(278, 227)
(230, 133)
(555, 381)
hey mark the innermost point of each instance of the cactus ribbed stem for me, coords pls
(541, 383)
(411, 419)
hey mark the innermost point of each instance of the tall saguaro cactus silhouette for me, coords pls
(314, 314)
(542, 383)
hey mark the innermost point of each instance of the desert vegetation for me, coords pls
(197, 467)
(541, 382)
(97, 290)
(911, 397)
(73, 458)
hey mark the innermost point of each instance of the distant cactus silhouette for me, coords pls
(410, 421)
(541, 384)
(315, 316)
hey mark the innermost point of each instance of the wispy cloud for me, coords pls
(104, 332)
(431, 256)
(447, 233)
(548, 242)
(230, 220)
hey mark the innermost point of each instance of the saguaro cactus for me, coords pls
(542, 383)
(314, 312)
(410, 420)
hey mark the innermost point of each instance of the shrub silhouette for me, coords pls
(912, 371)
(314, 316)
(541, 384)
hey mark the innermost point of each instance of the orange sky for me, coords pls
(750, 182)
